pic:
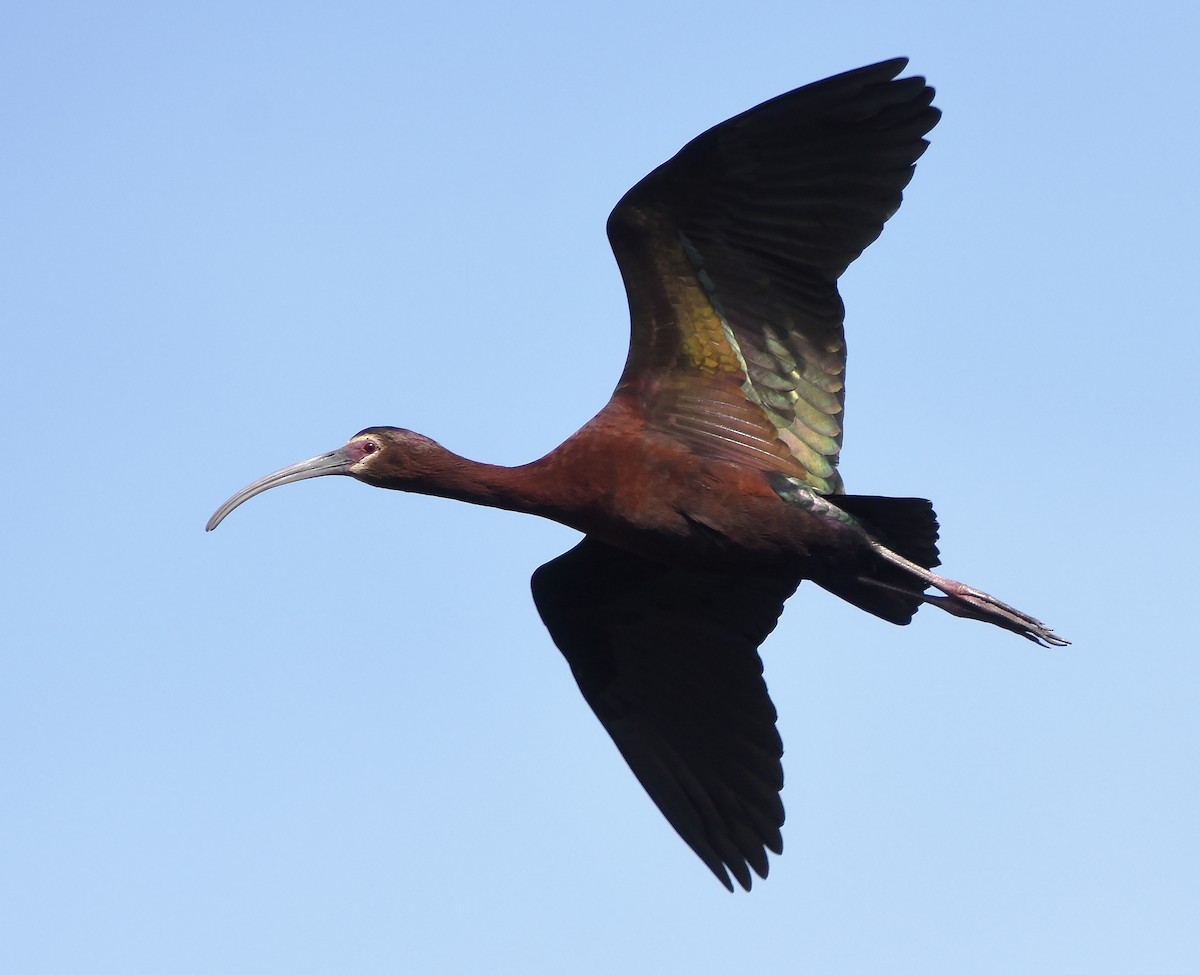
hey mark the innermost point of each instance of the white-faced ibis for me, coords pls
(707, 489)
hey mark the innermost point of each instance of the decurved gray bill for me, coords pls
(334, 462)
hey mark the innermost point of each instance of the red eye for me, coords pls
(370, 446)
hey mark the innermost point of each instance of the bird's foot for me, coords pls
(971, 603)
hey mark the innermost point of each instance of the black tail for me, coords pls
(905, 525)
(908, 526)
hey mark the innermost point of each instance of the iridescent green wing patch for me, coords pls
(766, 210)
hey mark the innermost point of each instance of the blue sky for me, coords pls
(334, 736)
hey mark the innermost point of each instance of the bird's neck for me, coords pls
(531, 488)
(570, 485)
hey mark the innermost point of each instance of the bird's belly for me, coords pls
(708, 522)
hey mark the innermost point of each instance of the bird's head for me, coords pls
(382, 456)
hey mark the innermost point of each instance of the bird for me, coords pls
(707, 489)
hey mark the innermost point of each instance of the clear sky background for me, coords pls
(333, 736)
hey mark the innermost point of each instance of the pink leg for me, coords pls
(962, 600)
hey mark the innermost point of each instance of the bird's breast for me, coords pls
(658, 499)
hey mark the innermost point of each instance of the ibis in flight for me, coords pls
(707, 487)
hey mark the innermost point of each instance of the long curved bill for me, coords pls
(334, 462)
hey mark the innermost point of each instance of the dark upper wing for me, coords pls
(731, 251)
(668, 661)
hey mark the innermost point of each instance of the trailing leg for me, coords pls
(965, 601)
